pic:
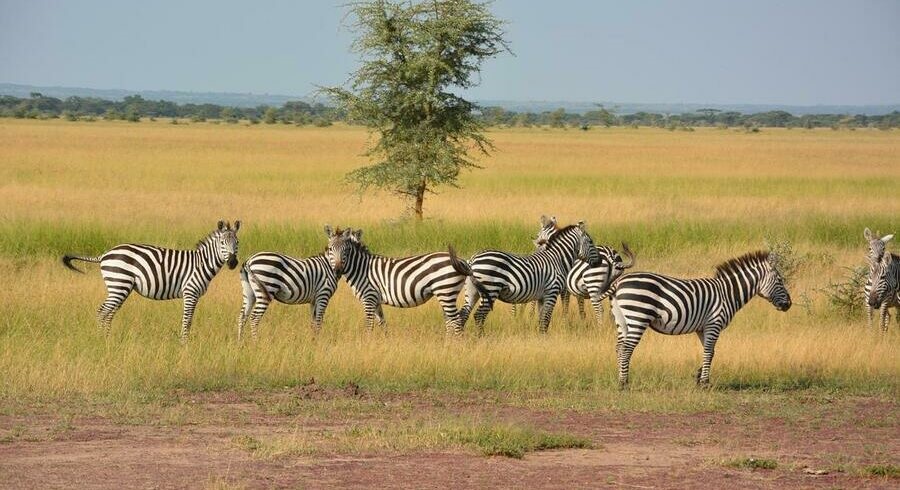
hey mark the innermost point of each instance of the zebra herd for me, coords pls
(566, 263)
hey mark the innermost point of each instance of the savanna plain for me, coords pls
(806, 398)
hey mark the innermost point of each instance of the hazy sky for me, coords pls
(755, 51)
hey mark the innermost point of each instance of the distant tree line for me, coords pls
(135, 107)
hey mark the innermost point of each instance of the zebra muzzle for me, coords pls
(232, 261)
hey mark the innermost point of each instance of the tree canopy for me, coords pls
(412, 55)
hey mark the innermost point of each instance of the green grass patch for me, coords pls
(751, 463)
(882, 470)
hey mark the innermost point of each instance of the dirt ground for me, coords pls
(191, 443)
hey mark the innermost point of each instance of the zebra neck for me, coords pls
(357, 267)
(739, 287)
(208, 260)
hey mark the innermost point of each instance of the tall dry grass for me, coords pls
(684, 201)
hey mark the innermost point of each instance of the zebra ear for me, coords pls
(221, 225)
(357, 234)
(887, 238)
(328, 231)
(346, 233)
(868, 234)
(237, 225)
(581, 225)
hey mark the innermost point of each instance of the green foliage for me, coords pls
(270, 116)
(883, 470)
(751, 463)
(413, 54)
(846, 296)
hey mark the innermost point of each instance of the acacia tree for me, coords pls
(412, 54)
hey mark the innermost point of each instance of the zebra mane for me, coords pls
(738, 263)
(559, 233)
(207, 239)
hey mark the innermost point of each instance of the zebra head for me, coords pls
(225, 241)
(548, 228)
(614, 258)
(771, 286)
(876, 246)
(340, 243)
(587, 251)
(883, 282)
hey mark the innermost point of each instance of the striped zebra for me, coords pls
(520, 279)
(401, 282)
(584, 281)
(591, 283)
(703, 306)
(163, 273)
(269, 276)
(876, 253)
(885, 286)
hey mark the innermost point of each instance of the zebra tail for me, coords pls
(67, 261)
(465, 269)
(628, 253)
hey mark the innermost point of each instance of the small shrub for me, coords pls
(882, 470)
(789, 260)
(846, 297)
(751, 463)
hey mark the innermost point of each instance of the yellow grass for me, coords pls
(686, 201)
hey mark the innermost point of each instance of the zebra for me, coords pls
(519, 279)
(401, 282)
(162, 273)
(876, 252)
(268, 276)
(586, 282)
(704, 306)
(884, 278)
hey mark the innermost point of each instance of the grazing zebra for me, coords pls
(520, 279)
(703, 306)
(876, 252)
(269, 276)
(885, 286)
(399, 282)
(163, 273)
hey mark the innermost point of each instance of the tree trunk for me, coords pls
(420, 199)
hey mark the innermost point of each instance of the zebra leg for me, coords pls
(190, 303)
(708, 337)
(547, 312)
(249, 299)
(260, 307)
(472, 296)
(581, 312)
(885, 317)
(564, 299)
(628, 337)
(598, 311)
(318, 311)
(451, 315)
(107, 310)
(870, 314)
(487, 304)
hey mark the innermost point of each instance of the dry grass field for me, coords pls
(811, 393)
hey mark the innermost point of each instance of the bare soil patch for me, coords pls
(190, 443)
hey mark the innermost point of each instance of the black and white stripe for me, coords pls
(877, 248)
(163, 273)
(702, 306)
(884, 293)
(592, 283)
(537, 277)
(400, 282)
(268, 276)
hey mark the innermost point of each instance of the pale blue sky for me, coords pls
(759, 51)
